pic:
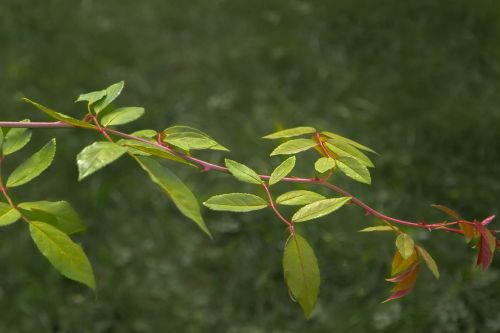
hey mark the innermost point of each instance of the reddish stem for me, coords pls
(273, 207)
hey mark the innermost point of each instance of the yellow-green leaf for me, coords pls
(8, 215)
(429, 261)
(293, 147)
(339, 138)
(242, 172)
(96, 156)
(145, 149)
(60, 214)
(33, 166)
(180, 194)
(354, 169)
(301, 271)
(122, 116)
(346, 150)
(282, 170)
(178, 129)
(298, 198)
(290, 132)
(319, 208)
(112, 92)
(323, 164)
(405, 245)
(378, 228)
(236, 202)
(65, 255)
(59, 116)
(15, 139)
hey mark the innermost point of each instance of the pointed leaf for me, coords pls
(399, 264)
(405, 245)
(15, 139)
(180, 194)
(291, 132)
(33, 166)
(403, 276)
(302, 276)
(144, 149)
(323, 164)
(185, 129)
(112, 92)
(338, 138)
(59, 116)
(282, 170)
(486, 247)
(122, 116)
(398, 294)
(236, 202)
(65, 255)
(299, 198)
(8, 215)
(190, 140)
(92, 96)
(429, 261)
(145, 133)
(60, 214)
(447, 211)
(346, 150)
(96, 156)
(354, 169)
(242, 172)
(294, 146)
(378, 228)
(319, 208)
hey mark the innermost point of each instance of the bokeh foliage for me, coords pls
(416, 80)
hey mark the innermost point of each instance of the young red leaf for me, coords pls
(397, 295)
(487, 220)
(486, 247)
(469, 231)
(404, 275)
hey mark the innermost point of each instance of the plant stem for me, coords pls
(206, 166)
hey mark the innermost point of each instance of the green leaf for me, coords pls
(65, 255)
(33, 166)
(298, 198)
(319, 208)
(59, 116)
(60, 214)
(405, 245)
(8, 215)
(1, 138)
(145, 133)
(291, 132)
(323, 164)
(242, 172)
(293, 147)
(91, 97)
(429, 261)
(180, 194)
(338, 138)
(15, 139)
(447, 211)
(236, 202)
(112, 92)
(122, 116)
(144, 149)
(378, 228)
(354, 169)
(345, 150)
(186, 129)
(301, 271)
(190, 140)
(282, 170)
(96, 156)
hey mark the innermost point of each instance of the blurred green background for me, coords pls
(419, 81)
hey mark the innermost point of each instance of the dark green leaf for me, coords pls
(8, 215)
(338, 138)
(236, 202)
(282, 170)
(319, 208)
(323, 164)
(112, 92)
(302, 276)
(15, 139)
(122, 116)
(65, 255)
(405, 245)
(59, 116)
(60, 214)
(242, 172)
(354, 169)
(298, 198)
(293, 147)
(291, 132)
(96, 156)
(33, 166)
(180, 194)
